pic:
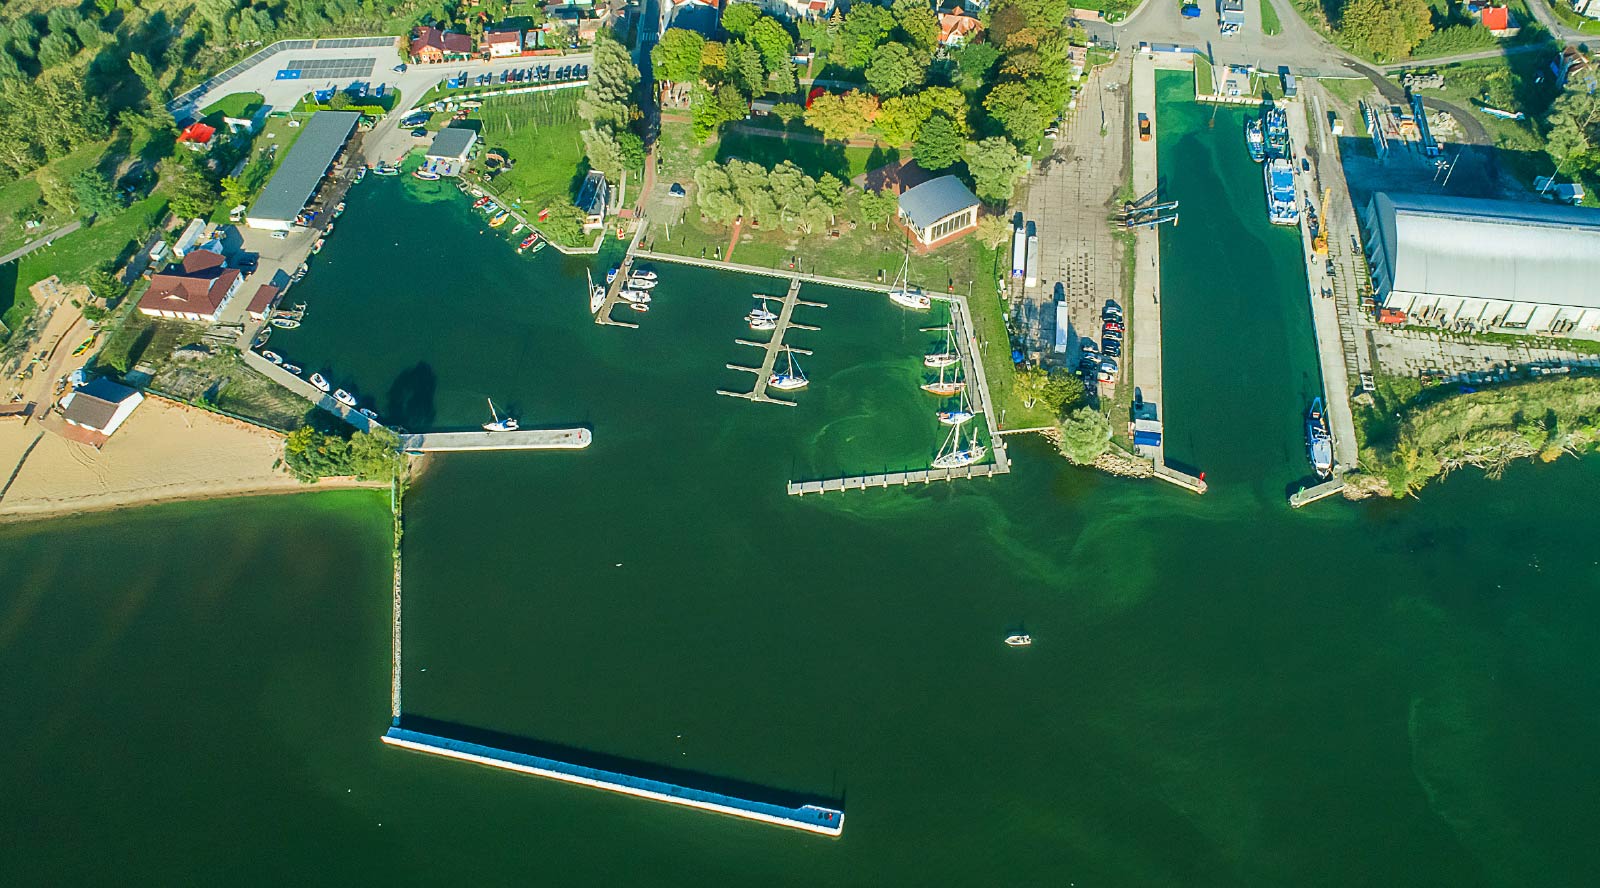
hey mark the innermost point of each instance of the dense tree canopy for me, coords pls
(679, 56)
(939, 144)
(1388, 29)
(995, 165)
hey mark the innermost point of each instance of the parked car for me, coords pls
(1108, 365)
(400, 68)
(279, 235)
(1113, 349)
(420, 132)
(1114, 326)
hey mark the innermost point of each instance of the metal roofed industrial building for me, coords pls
(291, 187)
(939, 210)
(1478, 264)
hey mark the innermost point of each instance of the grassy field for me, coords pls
(242, 105)
(541, 133)
(1270, 25)
(813, 157)
(25, 193)
(74, 256)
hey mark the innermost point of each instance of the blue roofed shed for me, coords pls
(939, 210)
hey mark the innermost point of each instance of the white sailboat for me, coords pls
(790, 379)
(507, 424)
(954, 456)
(905, 295)
(761, 311)
(948, 356)
(759, 323)
(944, 388)
(597, 293)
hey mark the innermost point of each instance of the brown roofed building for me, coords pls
(433, 45)
(261, 303)
(197, 293)
(98, 409)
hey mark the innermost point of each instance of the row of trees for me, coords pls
(610, 107)
(783, 197)
(311, 454)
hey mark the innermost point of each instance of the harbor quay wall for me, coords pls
(811, 818)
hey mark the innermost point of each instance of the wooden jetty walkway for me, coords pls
(897, 479)
(774, 347)
(533, 439)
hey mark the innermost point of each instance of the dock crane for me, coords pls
(1319, 241)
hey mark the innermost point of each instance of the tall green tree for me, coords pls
(995, 165)
(917, 24)
(841, 116)
(1084, 435)
(1388, 29)
(877, 207)
(1015, 110)
(95, 194)
(939, 144)
(895, 69)
(1574, 123)
(864, 29)
(679, 56)
(738, 17)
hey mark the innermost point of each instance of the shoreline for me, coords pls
(49, 511)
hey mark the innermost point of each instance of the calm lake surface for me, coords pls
(1221, 691)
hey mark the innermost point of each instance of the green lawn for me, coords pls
(1269, 19)
(540, 131)
(74, 256)
(242, 105)
(24, 192)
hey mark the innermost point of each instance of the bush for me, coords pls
(1084, 435)
(311, 454)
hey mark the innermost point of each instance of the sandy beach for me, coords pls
(164, 452)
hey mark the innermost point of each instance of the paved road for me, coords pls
(1541, 11)
(45, 241)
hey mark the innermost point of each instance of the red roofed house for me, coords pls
(501, 44)
(197, 136)
(956, 28)
(198, 293)
(1496, 18)
(261, 304)
(432, 45)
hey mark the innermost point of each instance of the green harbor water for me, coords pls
(1221, 691)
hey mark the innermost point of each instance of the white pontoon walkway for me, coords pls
(812, 818)
(535, 439)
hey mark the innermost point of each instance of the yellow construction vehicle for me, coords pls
(1319, 242)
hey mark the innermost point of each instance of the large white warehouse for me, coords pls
(1485, 264)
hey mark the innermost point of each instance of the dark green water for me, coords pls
(1221, 692)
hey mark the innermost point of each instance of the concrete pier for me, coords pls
(811, 818)
(1307, 495)
(774, 347)
(899, 479)
(534, 439)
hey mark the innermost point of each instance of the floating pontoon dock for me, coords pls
(811, 818)
(537, 439)
(774, 347)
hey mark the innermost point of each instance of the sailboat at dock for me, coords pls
(597, 293)
(954, 456)
(943, 387)
(508, 424)
(948, 356)
(961, 414)
(791, 378)
(905, 295)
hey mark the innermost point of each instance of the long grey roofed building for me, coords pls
(1485, 263)
(291, 187)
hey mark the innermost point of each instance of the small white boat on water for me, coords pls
(508, 424)
(638, 306)
(757, 322)
(321, 383)
(644, 275)
(1019, 640)
(905, 295)
(761, 311)
(273, 357)
(639, 283)
(345, 398)
(285, 323)
(292, 368)
(635, 296)
(954, 456)
(368, 414)
(789, 379)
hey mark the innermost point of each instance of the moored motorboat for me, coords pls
(1254, 141)
(292, 368)
(426, 175)
(320, 382)
(791, 378)
(285, 323)
(479, 202)
(272, 356)
(760, 323)
(644, 275)
(499, 424)
(639, 283)
(499, 219)
(612, 274)
(367, 413)
(636, 296)
(1319, 441)
(345, 398)
(527, 242)
(638, 306)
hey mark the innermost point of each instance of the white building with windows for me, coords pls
(1485, 264)
(938, 211)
